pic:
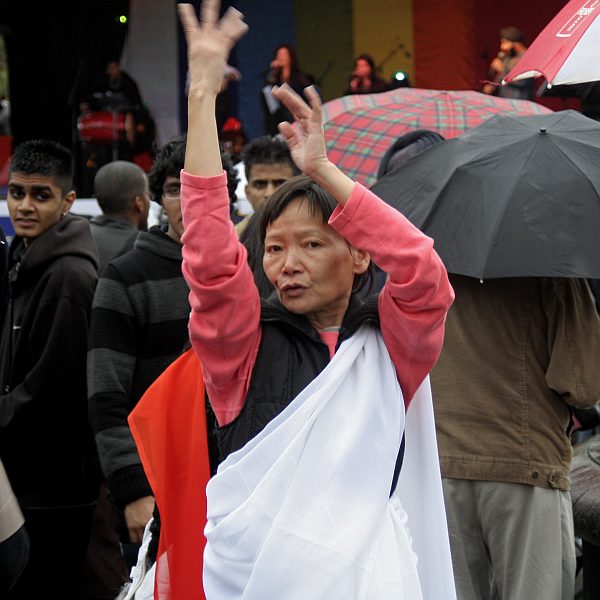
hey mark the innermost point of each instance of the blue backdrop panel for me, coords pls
(271, 23)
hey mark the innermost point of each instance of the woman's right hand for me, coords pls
(209, 42)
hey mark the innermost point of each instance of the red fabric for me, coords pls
(553, 46)
(444, 45)
(169, 428)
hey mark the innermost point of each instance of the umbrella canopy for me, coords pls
(515, 197)
(360, 128)
(567, 49)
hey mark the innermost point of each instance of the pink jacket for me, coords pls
(224, 323)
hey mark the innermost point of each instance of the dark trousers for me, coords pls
(59, 539)
(14, 553)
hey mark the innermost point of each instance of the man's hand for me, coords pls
(497, 65)
(209, 42)
(137, 515)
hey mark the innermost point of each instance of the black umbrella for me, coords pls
(514, 197)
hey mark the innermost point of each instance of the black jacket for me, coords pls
(290, 356)
(45, 438)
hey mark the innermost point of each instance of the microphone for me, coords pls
(355, 81)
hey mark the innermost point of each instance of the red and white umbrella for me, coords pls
(567, 51)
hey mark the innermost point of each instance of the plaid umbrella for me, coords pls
(360, 128)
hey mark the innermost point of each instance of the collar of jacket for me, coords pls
(115, 222)
(357, 313)
(158, 242)
(70, 236)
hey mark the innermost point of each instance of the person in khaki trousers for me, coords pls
(14, 542)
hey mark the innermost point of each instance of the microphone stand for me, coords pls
(399, 46)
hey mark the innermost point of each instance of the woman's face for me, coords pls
(283, 58)
(310, 265)
(362, 68)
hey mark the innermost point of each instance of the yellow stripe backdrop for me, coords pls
(381, 25)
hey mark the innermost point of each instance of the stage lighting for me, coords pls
(122, 19)
(400, 79)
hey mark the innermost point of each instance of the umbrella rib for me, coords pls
(571, 162)
(500, 218)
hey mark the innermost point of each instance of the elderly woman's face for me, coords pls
(311, 266)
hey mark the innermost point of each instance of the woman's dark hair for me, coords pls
(369, 59)
(294, 67)
(320, 203)
(255, 248)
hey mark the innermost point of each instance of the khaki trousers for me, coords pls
(510, 541)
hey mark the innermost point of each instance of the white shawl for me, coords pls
(303, 512)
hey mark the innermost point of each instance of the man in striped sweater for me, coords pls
(138, 327)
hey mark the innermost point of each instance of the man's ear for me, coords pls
(361, 260)
(68, 201)
(139, 204)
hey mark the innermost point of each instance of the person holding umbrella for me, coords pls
(308, 386)
(513, 208)
(518, 356)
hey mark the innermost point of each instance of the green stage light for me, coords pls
(122, 19)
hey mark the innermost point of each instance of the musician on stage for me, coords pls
(364, 78)
(512, 48)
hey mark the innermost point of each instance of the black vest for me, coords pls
(290, 356)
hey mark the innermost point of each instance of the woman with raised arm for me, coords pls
(310, 387)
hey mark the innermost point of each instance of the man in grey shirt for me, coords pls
(121, 189)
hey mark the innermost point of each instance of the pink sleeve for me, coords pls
(224, 322)
(414, 301)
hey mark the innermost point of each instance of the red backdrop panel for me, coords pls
(443, 41)
(455, 40)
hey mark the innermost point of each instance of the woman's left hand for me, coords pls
(305, 139)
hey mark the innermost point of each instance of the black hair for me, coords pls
(405, 147)
(255, 247)
(168, 163)
(512, 34)
(370, 61)
(266, 150)
(320, 203)
(45, 157)
(294, 66)
(116, 184)
(232, 178)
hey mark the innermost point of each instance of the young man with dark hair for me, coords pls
(268, 165)
(138, 327)
(45, 441)
(121, 189)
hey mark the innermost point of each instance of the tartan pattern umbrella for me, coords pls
(359, 129)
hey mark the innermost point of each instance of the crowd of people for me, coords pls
(375, 427)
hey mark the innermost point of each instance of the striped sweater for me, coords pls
(138, 327)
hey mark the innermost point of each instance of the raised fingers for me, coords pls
(189, 21)
(293, 101)
(209, 11)
(232, 25)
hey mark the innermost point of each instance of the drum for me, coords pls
(101, 126)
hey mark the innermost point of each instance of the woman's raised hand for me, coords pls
(306, 139)
(209, 42)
